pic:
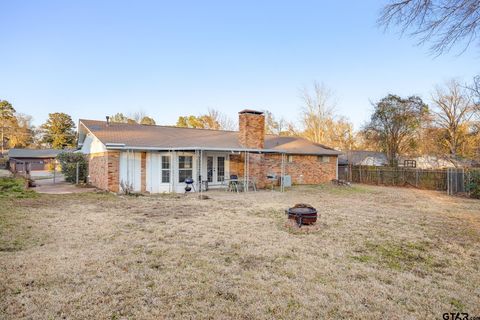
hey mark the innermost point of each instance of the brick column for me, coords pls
(113, 170)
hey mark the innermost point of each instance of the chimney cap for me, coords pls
(250, 111)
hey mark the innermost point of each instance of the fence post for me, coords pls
(448, 181)
(77, 172)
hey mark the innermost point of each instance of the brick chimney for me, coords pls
(251, 125)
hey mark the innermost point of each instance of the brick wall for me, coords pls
(304, 169)
(251, 130)
(256, 167)
(103, 170)
(97, 170)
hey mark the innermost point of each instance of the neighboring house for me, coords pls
(363, 158)
(425, 162)
(435, 162)
(34, 159)
(159, 158)
(378, 159)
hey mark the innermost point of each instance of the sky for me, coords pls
(171, 58)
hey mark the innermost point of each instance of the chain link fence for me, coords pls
(454, 181)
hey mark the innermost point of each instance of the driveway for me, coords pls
(59, 187)
(4, 173)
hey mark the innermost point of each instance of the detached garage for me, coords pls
(34, 159)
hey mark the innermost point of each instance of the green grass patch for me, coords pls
(397, 256)
(15, 232)
(14, 188)
(457, 304)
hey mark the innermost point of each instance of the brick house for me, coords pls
(159, 158)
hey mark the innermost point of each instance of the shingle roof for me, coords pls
(363, 157)
(33, 153)
(164, 137)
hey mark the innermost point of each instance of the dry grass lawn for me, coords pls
(376, 253)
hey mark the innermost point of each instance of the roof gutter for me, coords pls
(121, 146)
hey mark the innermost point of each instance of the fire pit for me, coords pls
(302, 214)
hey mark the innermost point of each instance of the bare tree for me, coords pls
(318, 108)
(137, 116)
(224, 122)
(444, 23)
(453, 112)
(278, 127)
(320, 123)
(475, 89)
(213, 119)
(340, 134)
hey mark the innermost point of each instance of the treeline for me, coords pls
(17, 130)
(58, 132)
(447, 126)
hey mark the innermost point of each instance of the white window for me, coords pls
(290, 159)
(185, 168)
(165, 169)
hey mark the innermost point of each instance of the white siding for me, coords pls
(154, 173)
(92, 145)
(130, 169)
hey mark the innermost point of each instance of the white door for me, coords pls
(130, 170)
(158, 172)
(215, 169)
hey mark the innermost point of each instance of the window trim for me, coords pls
(185, 169)
(323, 159)
(163, 169)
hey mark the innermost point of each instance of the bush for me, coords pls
(474, 184)
(14, 188)
(51, 166)
(68, 162)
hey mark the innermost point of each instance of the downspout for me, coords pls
(337, 169)
(172, 169)
(282, 173)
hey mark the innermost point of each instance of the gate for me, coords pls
(455, 181)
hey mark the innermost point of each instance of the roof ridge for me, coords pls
(157, 125)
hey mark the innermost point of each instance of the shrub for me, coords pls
(473, 185)
(68, 162)
(126, 188)
(14, 188)
(51, 166)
